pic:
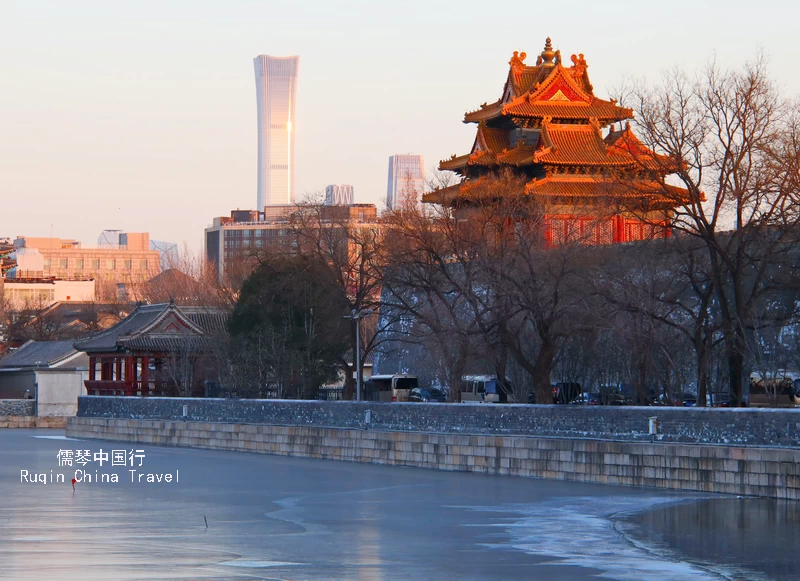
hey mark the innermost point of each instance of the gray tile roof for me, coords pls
(42, 354)
(107, 340)
(132, 332)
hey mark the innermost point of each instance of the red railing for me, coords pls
(108, 387)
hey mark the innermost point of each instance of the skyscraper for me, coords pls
(406, 179)
(276, 92)
(338, 195)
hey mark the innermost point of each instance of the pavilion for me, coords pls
(160, 349)
(593, 179)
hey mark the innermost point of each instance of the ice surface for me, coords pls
(584, 532)
(257, 564)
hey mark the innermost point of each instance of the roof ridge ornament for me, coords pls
(517, 60)
(579, 64)
(517, 63)
(548, 54)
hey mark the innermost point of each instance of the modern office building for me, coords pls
(21, 293)
(130, 260)
(168, 251)
(238, 240)
(338, 195)
(25, 285)
(276, 92)
(406, 180)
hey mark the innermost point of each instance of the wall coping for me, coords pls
(737, 426)
(369, 404)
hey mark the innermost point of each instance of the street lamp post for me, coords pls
(357, 316)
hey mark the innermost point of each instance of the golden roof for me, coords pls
(549, 89)
(580, 145)
(565, 187)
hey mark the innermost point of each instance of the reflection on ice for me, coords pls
(583, 532)
(257, 564)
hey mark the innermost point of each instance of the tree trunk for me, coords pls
(500, 366)
(456, 372)
(349, 391)
(702, 378)
(542, 368)
(736, 375)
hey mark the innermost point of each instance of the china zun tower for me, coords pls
(276, 92)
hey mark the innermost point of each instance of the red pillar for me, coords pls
(92, 363)
(128, 377)
(619, 229)
(145, 375)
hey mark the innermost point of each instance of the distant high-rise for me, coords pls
(406, 179)
(338, 195)
(109, 238)
(276, 92)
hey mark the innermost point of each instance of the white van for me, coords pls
(390, 387)
(481, 388)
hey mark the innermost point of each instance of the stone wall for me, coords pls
(16, 407)
(766, 472)
(33, 422)
(740, 426)
(57, 391)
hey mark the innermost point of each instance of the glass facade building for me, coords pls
(406, 180)
(338, 195)
(276, 93)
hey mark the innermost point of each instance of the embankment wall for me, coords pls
(743, 452)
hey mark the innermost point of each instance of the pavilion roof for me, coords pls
(580, 145)
(549, 90)
(624, 140)
(589, 187)
(44, 354)
(151, 324)
(560, 144)
(563, 188)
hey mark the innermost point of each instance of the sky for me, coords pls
(141, 116)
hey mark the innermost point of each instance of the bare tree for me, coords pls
(349, 245)
(485, 273)
(734, 143)
(188, 279)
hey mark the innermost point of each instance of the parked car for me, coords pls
(566, 391)
(426, 394)
(612, 395)
(586, 399)
(718, 400)
(666, 400)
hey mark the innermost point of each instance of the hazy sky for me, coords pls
(142, 115)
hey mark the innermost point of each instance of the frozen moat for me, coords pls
(290, 518)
